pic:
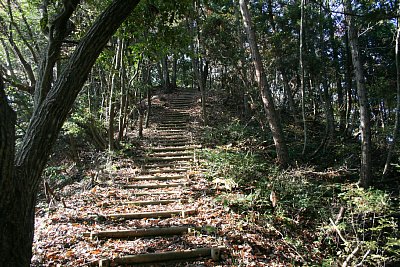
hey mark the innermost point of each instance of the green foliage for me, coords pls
(54, 173)
(232, 166)
(234, 132)
(307, 202)
(369, 226)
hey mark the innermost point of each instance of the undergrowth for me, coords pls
(324, 216)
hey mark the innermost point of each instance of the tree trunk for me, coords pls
(19, 184)
(273, 120)
(146, 79)
(115, 83)
(123, 95)
(339, 87)
(349, 82)
(197, 64)
(165, 75)
(174, 71)
(330, 119)
(365, 171)
(397, 115)
(302, 82)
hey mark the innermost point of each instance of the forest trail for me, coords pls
(154, 206)
(164, 188)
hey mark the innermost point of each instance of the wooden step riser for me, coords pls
(156, 178)
(164, 257)
(161, 214)
(166, 159)
(170, 154)
(160, 171)
(154, 186)
(155, 202)
(161, 193)
(149, 232)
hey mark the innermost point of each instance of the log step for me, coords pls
(152, 159)
(211, 252)
(157, 178)
(176, 144)
(159, 171)
(153, 186)
(154, 202)
(176, 116)
(174, 123)
(172, 134)
(172, 127)
(144, 232)
(174, 130)
(179, 164)
(161, 149)
(159, 214)
(161, 193)
(171, 154)
(173, 139)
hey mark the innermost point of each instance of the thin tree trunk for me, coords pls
(147, 121)
(19, 184)
(10, 69)
(330, 120)
(165, 74)
(393, 142)
(349, 85)
(197, 64)
(365, 171)
(174, 71)
(272, 116)
(123, 97)
(302, 82)
(339, 87)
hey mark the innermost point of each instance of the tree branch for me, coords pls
(58, 32)
(49, 116)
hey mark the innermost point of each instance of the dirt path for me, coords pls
(153, 208)
(164, 190)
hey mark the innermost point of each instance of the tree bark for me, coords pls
(19, 186)
(57, 33)
(397, 115)
(348, 81)
(165, 73)
(266, 96)
(302, 79)
(115, 83)
(365, 170)
(174, 71)
(8, 186)
(339, 87)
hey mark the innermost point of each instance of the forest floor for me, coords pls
(67, 231)
(187, 191)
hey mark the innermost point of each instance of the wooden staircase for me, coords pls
(162, 190)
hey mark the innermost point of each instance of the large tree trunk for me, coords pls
(272, 116)
(365, 171)
(19, 184)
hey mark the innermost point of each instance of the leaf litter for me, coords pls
(62, 234)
